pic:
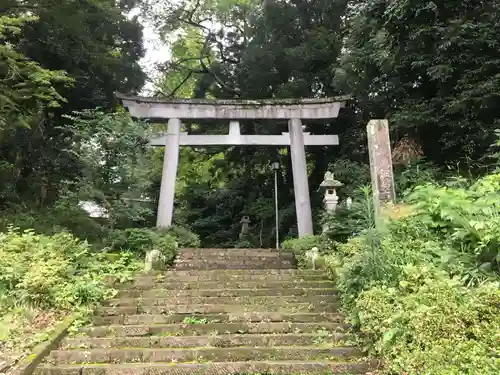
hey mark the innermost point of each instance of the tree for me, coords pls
(432, 68)
(25, 87)
(98, 47)
(115, 164)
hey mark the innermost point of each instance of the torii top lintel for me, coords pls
(308, 109)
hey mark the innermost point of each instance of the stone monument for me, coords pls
(379, 147)
(313, 256)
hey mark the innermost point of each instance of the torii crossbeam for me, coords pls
(235, 138)
(296, 139)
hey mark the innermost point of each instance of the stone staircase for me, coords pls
(233, 311)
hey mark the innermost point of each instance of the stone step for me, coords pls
(216, 308)
(252, 284)
(251, 317)
(255, 292)
(234, 259)
(219, 341)
(236, 255)
(212, 328)
(177, 355)
(291, 273)
(241, 300)
(233, 266)
(219, 368)
(242, 252)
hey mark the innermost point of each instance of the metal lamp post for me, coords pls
(276, 167)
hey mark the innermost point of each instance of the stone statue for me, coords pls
(153, 259)
(313, 255)
(245, 221)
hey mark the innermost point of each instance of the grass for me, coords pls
(21, 329)
(194, 320)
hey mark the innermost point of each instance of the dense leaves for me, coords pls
(431, 67)
(421, 287)
(91, 44)
(25, 87)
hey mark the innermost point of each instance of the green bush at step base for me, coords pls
(183, 236)
(58, 271)
(45, 278)
(141, 240)
(300, 246)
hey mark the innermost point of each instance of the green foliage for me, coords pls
(194, 320)
(25, 86)
(345, 222)
(352, 174)
(243, 244)
(422, 288)
(65, 215)
(40, 55)
(183, 236)
(142, 240)
(110, 149)
(300, 246)
(56, 271)
(466, 219)
(406, 177)
(440, 89)
(432, 324)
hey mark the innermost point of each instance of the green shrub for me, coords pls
(167, 246)
(466, 219)
(345, 222)
(423, 289)
(243, 244)
(419, 172)
(431, 324)
(58, 271)
(137, 240)
(49, 221)
(300, 246)
(142, 240)
(183, 236)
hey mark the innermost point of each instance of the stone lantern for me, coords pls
(245, 221)
(330, 185)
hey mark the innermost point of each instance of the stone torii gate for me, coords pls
(294, 111)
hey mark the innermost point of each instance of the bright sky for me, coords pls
(156, 51)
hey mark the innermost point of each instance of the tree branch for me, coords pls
(172, 93)
(210, 71)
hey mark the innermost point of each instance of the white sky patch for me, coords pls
(156, 52)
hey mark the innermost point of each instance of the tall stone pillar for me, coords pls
(169, 174)
(379, 147)
(300, 178)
